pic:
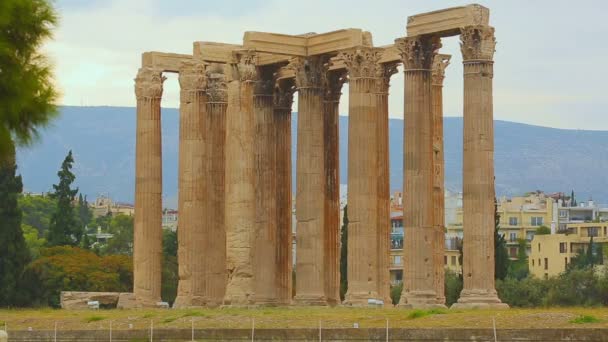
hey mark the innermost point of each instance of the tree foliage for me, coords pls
(64, 228)
(344, 255)
(37, 211)
(27, 93)
(14, 255)
(33, 240)
(543, 230)
(453, 287)
(66, 268)
(520, 269)
(121, 227)
(501, 257)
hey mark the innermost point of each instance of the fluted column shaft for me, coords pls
(282, 125)
(240, 214)
(333, 86)
(311, 184)
(477, 45)
(419, 232)
(215, 244)
(439, 64)
(265, 266)
(147, 244)
(192, 187)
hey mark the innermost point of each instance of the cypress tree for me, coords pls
(64, 228)
(14, 254)
(501, 257)
(344, 255)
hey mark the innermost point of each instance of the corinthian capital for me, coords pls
(283, 94)
(149, 83)
(217, 88)
(418, 52)
(386, 71)
(192, 75)
(440, 62)
(244, 65)
(477, 42)
(362, 62)
(333, 85)
(310, 71)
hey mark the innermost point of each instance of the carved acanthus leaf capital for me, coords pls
(386, 71)
(440, 63)
(418, 52)
(192, 76)
(362, 62)
(333, 85)
(149, 83)
(283, 94)
(217, 87)
(244, 65)
(310, 71)
(477, 42)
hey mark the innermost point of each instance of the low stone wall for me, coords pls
(395, 334)
(77, 300)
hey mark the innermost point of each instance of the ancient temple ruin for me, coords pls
(235, 192)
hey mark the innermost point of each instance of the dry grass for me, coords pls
(299, 317)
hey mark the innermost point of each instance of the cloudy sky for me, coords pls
(550, 64)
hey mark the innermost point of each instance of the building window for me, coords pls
(396, 260)
(532, 262)
(565, 262)
(563, 247)
(445, 259)
(592, 231)
(512, 221)
(512, 237)
(453, 260)
(537, 220)
(546, 263)
(563, 213)
(538, 248)
(513, 252)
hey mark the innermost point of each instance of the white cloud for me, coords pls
(548, 60)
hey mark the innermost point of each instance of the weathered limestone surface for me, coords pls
(368, 193)
(126, 300)
(331, 239)
(240, 210)
(310, 182)
(440, 62)
(419, 232)
(447, 22)
(76, 300)
(265, 251)
(147, 243)
(477, 46)
(192, 183)
(215, 131)
(283, 99)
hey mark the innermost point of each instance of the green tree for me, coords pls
(64, 228)
(33, 240)
(85, 215)
(453, 287)
(520, 269)
(543, 230)
(501, 257)
(37, 211)
(121, 227)
(27, 93)
(14, 254)
(344, 255)
(170, 273)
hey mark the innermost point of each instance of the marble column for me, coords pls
(240, 210)
(310, 181)
(192, 186)
(147, 244)
(477, 47)
(215, 245)
(265, 252)
(333, 90)
(440, 62)
(367, 177)
(419, 233)
(283, 100)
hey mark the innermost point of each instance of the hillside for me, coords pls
(103, 141)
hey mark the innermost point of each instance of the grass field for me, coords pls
(298, 317)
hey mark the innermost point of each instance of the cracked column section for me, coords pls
(147, 250)
(192, 183)
(311, 183)
(419, 284)
(240, 211)
(477, 47)
(368, 192)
